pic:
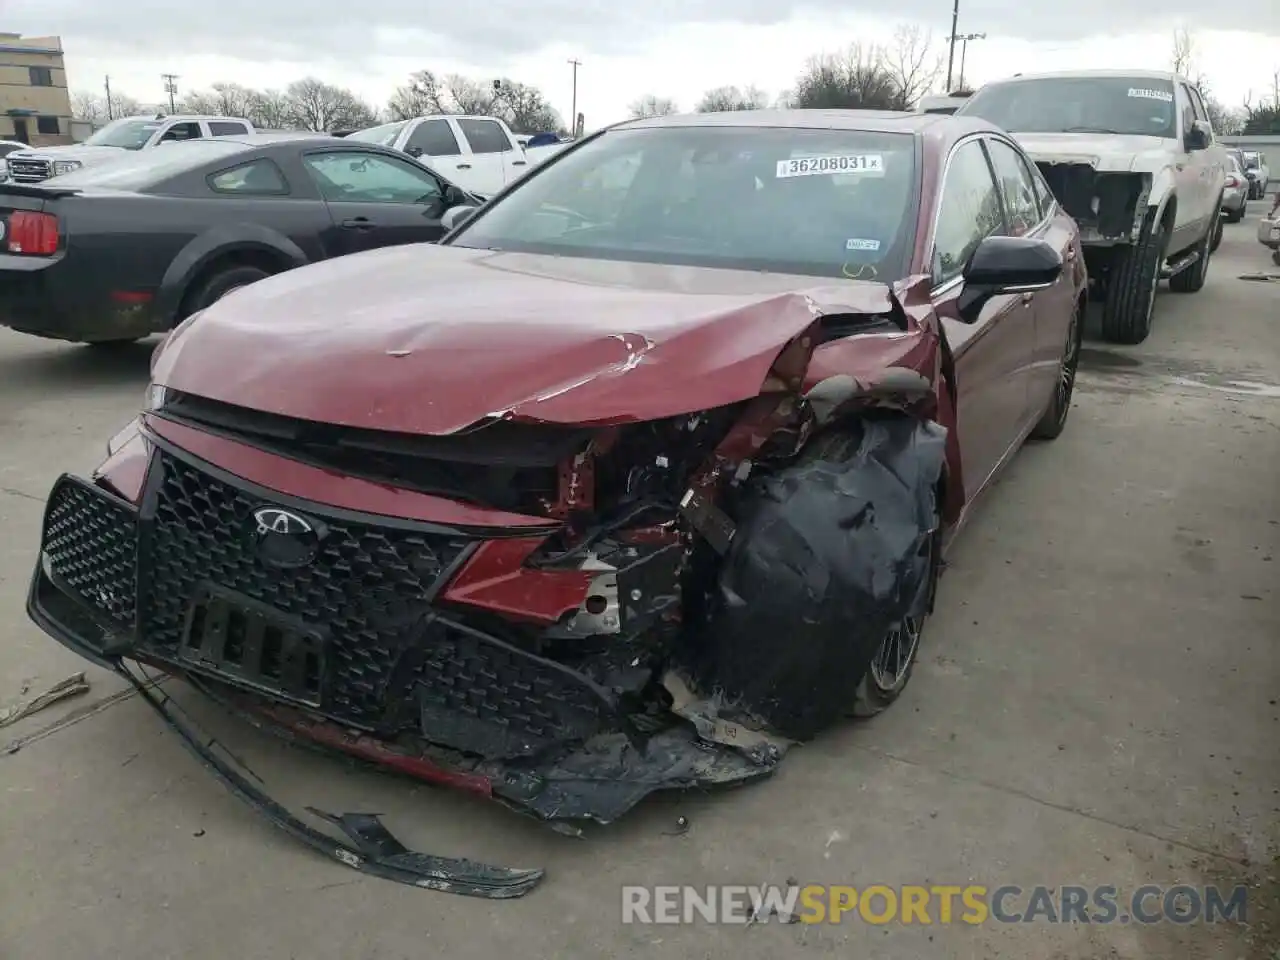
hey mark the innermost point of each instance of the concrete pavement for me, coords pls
(1096, 703)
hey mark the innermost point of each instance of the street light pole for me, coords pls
(964, 50)
(573, 117)
(951, 55)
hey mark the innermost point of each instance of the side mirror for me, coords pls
(455, 217)
(1199, 136)
(414, 152)
(1003, 265)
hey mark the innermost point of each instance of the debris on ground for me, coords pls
(72, 686)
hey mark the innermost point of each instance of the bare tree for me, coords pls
(913, 64)
(421, 96)
(200, 101)
(855, 79)
(1182, 59)
(652, 106)
(525, 108)
(123, 105)
(321, 106)
(271, 110)
(725, 99)
(88, 106)
(465, 95)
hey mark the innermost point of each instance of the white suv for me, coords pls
(1259, 174)
(1132, 156)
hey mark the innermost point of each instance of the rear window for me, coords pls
(384, 135)
(1130, 106)
(138, 171)
(832, 203)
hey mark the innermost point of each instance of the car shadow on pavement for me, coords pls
(79, 365)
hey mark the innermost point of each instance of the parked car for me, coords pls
(1269, 231)
(1235, 193)
(1132, 156)
(528, 510)
(7, 147)
(480, 154)
(1259, 174)
(117, 252)
(116, 139)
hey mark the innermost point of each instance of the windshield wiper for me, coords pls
(1093, 130)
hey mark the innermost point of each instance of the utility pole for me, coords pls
(106, 82)
(951, 54)
(964, 49)
(171, 88)
(573, 116)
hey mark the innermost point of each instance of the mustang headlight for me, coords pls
(65, 166)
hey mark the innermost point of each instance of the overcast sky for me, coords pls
(673, 48)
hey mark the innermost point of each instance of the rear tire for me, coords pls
(1218, 228)
(1131, 288)
(222, 283)
(1191, 280)
(1235, 216)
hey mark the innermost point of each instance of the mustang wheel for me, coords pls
(1055, 417)
(222, 283)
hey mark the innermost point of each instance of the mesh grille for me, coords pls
(92, 544)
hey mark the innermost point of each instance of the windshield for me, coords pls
(137, 171)
(384, 135)
(129, 134)
(819, 202)
(1115, 105)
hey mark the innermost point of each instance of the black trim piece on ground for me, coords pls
(373, 849)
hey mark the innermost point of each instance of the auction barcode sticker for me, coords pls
(816, 166)
(1164, 96)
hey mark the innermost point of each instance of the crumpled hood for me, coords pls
(1104, 152)
(428, 339)
(71, 151)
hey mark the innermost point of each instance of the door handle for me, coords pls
(519, 163)
(464, 166)
(358, 223)
(1027, 299)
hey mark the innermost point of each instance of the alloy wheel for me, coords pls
(892, 662)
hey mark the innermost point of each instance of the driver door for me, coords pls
(375, 200)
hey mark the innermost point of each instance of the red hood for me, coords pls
(426, 339)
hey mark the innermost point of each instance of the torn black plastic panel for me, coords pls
(374, 850)
(828, 557)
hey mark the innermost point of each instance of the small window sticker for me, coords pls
(858, 243)
(867, 163)
(1141, 93)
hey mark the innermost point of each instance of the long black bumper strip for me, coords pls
(374, 850)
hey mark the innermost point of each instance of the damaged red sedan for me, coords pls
(641, 475)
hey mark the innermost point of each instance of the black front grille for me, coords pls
(91, 546)
(367, 587)
(29, 171)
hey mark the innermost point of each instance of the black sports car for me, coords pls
(119, 251)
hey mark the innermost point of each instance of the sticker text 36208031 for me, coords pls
(818, 166)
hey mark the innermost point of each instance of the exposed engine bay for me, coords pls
(1109, 207)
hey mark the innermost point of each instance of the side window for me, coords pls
(434, 138)
(181, 131)
(1022, 210)
(371, 178)
(40, 76)
(485, 136)
(968, 211)
(226, 128)
(255, 178)
(1188, 109)
(1197, 104)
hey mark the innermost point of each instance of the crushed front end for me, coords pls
(540, 613)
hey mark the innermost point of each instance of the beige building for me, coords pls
(35, 107)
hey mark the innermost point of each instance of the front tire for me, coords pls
(1131, 288)
(1054, 420)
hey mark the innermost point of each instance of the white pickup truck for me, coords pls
(128, 133)
(479, 154)
(1132, 156)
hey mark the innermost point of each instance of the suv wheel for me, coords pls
(1131, 288)
(1191, 280)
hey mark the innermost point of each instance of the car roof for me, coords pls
(1093, 74)
(875, 121)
